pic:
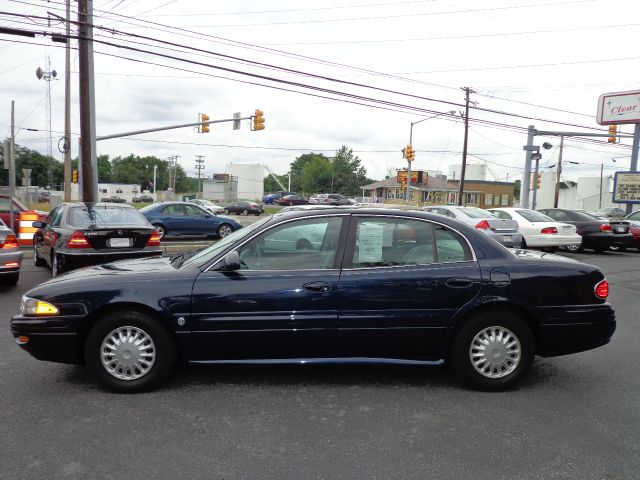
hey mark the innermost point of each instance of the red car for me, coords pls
(634, 229)
(292, 200)
(17, 208)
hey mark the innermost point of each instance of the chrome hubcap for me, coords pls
(128, 353)
(224, 231)
(495, 352)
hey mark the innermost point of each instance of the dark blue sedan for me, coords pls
(332, 285)
(183, 218)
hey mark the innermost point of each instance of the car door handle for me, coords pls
(459, 282)
(317, 286)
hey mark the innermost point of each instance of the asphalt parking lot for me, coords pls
(575, 417)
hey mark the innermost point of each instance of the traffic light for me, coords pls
(74, 176)
(535, 181)
(409, 153)
(204, 127)
(613, 131)
(258, 120)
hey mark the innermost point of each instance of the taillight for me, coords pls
(549, 230)
(78, 240)
(483, 225)
(9, 242)
(154, 239)
(605, 227)
(602, 289)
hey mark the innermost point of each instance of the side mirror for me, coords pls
(38, 224)
(231, 262)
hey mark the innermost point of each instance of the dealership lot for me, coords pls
(574, 417)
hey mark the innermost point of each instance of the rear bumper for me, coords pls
(71, 260)
(54, 339)
(7, 261)
(572, 329)
(605, 241)
(507, 239)
(552, 240)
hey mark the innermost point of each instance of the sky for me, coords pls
(355, 73)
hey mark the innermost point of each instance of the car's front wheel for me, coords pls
(493, 350)
(224, 230)
(226, 211)
(129, 351)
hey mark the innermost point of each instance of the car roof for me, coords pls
(98, 204)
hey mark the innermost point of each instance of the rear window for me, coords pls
(476, 212)
(105, 216)
(534, 216)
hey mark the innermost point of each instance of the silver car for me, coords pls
(10, 256)
(208, 205)
(504, 231)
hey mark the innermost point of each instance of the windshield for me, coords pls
(201, 257)
(475, 212)
(533, 216)
(106, 216)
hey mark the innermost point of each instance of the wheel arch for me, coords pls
(496, 306)
(94, 317)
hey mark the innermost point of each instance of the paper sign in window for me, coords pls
(370, 240)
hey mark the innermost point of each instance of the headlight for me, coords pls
(33, 306)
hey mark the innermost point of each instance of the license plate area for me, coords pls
(506, 238)
(566, 229)
(119, 242)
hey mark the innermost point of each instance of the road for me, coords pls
(575, 417)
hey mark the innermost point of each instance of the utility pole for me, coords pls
(87, 102)
(559, 170)
(468, 91)
(12, 166)
(67, 109)
(525, 188)
(600, 199)
(199, 168)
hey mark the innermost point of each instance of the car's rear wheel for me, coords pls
(245, 212)
(224, 230)
(523, 243)
(56, 265)
(161, 230)
(10, 279)
(575, 247)
(37, 261)
(615, 248)
(129, 351)
(493, 350)
(226, 211)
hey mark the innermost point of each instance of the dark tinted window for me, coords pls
(174, 209)
(105, 216)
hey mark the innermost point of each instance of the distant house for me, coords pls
(429, 190)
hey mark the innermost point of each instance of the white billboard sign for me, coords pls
(620, 107)
(626, 187)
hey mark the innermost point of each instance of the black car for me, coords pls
(144, 198)
(81, 234)
(323, 286)
(597, 234)
(244, 208)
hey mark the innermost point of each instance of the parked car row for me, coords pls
(548, 228)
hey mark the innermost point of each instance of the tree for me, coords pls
(270, 185)
(297, 169)
(317, 176)
(348, 173)
(45, 171)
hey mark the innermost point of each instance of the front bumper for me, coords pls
(573, 329)
(54, 338)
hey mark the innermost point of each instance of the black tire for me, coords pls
(599, 249)
(511, 365)
(224, 230)
(162, 231)
(11, 279)
(115, 371)
(57, 267)
(574, 248)
(245, 212)
(37, 261)
(226, 211)
(614, 248)
(523, 243)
